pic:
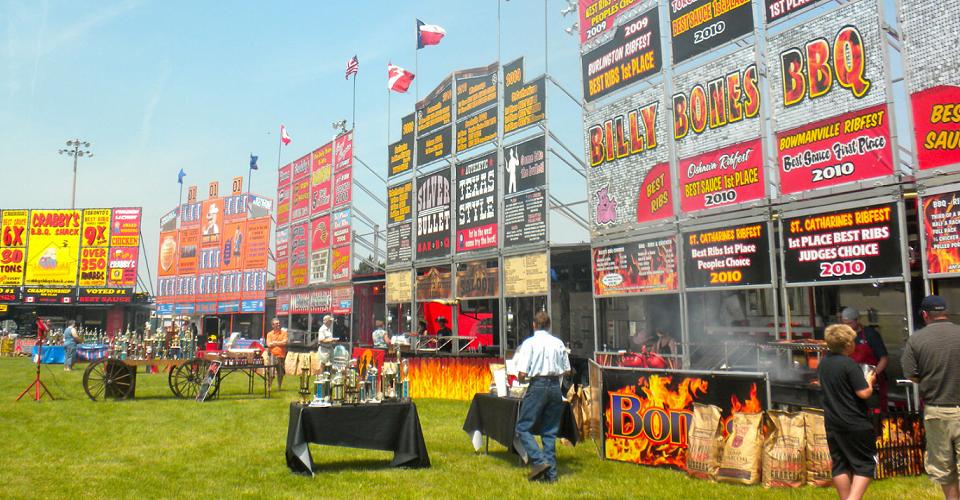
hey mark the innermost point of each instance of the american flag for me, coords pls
(353, 65)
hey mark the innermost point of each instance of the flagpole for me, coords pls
(279, 146)
(179, 203)
(355, 102)
(416, 67)
(250, 179)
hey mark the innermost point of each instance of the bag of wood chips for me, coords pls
(704, 440)
(742, 450)
(783, 451)
(819, 465)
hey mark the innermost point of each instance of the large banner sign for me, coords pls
(435, 110)
(525, 218)
(343, 187)
(697, 26)
(13, 246)
(932, 29)
(400, 202)
(477, 130)
(830, 70)
(283, 257)
(343, 152)
(477, 202)
(729, 256)
(399, 222)
(299, 254)
(283, 195)
(629, 174)
(525, 275)
(434, 146)
(646, 412)
(400, 153)
(123, 266)
(476, 89)
(124, 227)
(778, 9)
(433, 214)
(525, 103)
(638, 267)
(525, 165)
(341, 228)
(319, 249)
(859, 243)
(478, 279)
(300, 203)
(400, 243)
(321, 175)
(941, 228)
(599, 16)
(340, 264)
(633, 54)
(717, 132)
(53, 254)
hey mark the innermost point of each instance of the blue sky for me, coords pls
(160, 86)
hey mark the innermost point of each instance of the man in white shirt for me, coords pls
(542, 360)
(325, 337)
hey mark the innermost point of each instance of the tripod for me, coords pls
(37, 384)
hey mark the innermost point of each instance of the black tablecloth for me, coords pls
(386, 426)
(496, 417)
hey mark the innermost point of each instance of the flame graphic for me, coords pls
(450, 378)
(751, 405)
(656, 392)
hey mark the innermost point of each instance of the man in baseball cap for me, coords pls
(929, 358)
(869, 349)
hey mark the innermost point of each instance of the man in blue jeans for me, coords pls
(70, 341)
(542, 361)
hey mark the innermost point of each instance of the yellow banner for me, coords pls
(54, 247)
(13, 242)
(96, 227)
(525, 275)
(399, 287)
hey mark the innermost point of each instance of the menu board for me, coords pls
(697, 26)
(400, 243)
(932, 35)
(321, 175)
(941, 229)
(478, 279)
(525, 218)
(525, 275)
(399, 287)
(477, 202)
(400, 153)
(433, 214)
(728, 256)
(858, 243)
(525, 103)
(633, 54)
(638, 267)
(477, 130)
(434, 146)
(435, 110)
(476, 89)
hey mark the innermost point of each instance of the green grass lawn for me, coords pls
(157, 446)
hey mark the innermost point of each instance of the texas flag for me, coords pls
(398, 79)
(428, 34)
(284, 137)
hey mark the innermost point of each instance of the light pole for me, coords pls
(80, 149)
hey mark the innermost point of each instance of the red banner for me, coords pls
(300, 202)
(654, 201)
(343, 188)
(299, 256)
(125, 227)
(258, 243)
(340, 227)
(123, 266)
(341, 270)
(13, 246)
(638, 267)
(321, 169)
(343, 149)
(283, 194)
(846, 148)
(936, 123)
(727, 176)
(93, 266)
(320, 233)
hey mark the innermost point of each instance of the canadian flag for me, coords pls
(398, 79)
(284, 137)
(428, 34)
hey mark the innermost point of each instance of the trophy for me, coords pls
(336, 389)
(370, 385)
(351, 384)
(322, 388)
(405, 380)
(304, 385)
(389, 380)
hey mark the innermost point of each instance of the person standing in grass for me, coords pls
(931, 358)
(70, 341)
(542, 361)
(277, 347)
(850, 435)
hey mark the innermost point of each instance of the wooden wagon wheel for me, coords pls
(109, 378)
(185, 380)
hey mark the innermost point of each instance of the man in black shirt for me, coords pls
(869, 349)
(443, 331)
(850, 435)
(932, 359)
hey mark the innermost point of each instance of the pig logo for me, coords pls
(606, 207)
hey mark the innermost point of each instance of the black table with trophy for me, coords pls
(355, 406)
(492, 416)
